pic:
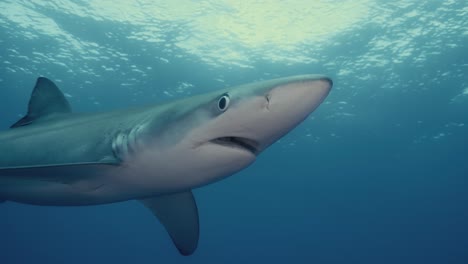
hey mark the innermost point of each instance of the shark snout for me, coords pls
(288, 104)
(298, 99)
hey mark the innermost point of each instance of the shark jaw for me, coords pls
(237, 142)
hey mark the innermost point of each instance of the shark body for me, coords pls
(155, 154)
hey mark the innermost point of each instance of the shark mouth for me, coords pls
(237, 142)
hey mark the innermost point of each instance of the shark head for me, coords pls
(202, 139)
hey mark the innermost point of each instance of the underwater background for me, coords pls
(378, 174)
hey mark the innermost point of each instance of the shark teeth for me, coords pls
(239, 142)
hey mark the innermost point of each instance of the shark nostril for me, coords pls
(268, 98)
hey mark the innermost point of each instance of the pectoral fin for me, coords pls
(59, 173)
(178, 213)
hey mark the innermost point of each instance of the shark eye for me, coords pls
(223, 102)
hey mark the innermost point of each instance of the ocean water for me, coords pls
(377, 174)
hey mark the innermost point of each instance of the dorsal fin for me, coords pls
(46, 99)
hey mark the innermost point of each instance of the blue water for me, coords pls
(378, 174)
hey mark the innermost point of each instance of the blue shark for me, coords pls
(153, 154)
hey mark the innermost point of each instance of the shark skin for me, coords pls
(154, 154)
